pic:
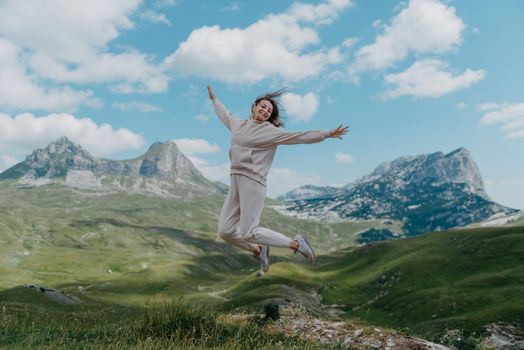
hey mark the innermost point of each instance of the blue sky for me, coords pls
(409, 77)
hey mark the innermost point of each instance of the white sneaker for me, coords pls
(305, 248)
(263, 258)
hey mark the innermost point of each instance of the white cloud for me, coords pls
(319, 14)
(424, 26)
(282, 180)
(19, 90)
(460, 106)
(216, 173)
(197, 161)
(344, 158)
(232, 7)
(430, 78)
(300, 108)
(483, 107)
(271, 47)
(165, 3)
(21, 134)
(202, 118)
(509, 116)
(56, 41)
(136, 106)
(196, 146)
(7, 161)
(349, 42)
(95, 102)
(154, 17)
(212, 172)
(130, 71)
(70, 31)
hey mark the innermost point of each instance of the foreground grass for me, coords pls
(174, 325)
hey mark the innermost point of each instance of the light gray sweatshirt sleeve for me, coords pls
(225, 116)
(281, 137)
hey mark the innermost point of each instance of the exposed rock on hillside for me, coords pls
(55, 294)
(162, 170)
(351, 334)
(429, 192)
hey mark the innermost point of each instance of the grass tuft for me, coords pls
(173, 325)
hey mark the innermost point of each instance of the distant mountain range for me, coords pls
(410, 195)
(162, 170)
(429, 192)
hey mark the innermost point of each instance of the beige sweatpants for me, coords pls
(240, 216)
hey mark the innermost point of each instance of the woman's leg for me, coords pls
(230, 217)
(252, 196)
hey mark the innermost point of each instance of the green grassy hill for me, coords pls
(456, 279)
(54, 235)
(137, 250)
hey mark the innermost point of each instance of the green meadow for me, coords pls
(30, 320)
(457, 279)
(151, 273)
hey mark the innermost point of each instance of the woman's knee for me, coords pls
(225, 230)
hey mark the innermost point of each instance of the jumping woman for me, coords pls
(253, 146)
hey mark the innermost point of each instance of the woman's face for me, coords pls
(262, 111)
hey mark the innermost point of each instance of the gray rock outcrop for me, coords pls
(162, 170)
(429, 192)
(55, 295)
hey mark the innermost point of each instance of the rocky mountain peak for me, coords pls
(459, 167)
(163, 169)
(428, 192)
(62, 148)
(167, 146)
(459, 151)
(61, 143)
(165, 159)
(456, 167)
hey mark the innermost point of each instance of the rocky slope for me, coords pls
(429, 192)
(162, 170)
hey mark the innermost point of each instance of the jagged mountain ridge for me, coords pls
(428, 192)
(163, 169)
(456, 167)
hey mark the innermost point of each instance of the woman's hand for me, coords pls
(339, 131)
(211, 94)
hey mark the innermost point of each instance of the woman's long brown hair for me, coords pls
(273, 98)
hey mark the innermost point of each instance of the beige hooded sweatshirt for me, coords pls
(254, 143)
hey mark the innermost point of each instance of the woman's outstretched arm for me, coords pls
(211, 93)
(220, 110)
(281, 137)
(339, 131)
